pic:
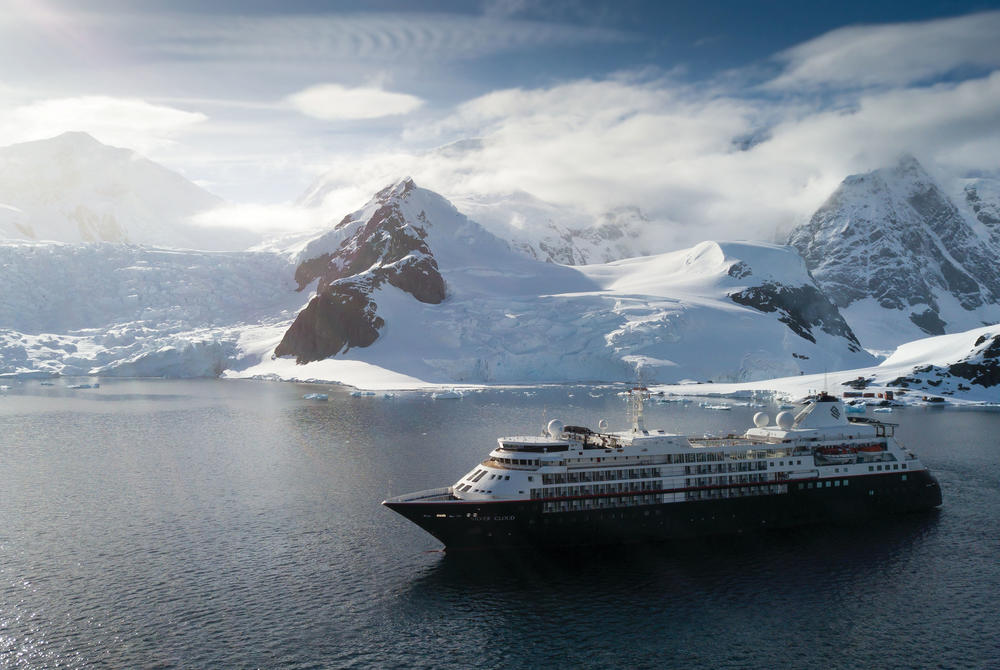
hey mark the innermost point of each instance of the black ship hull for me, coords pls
(473, 525)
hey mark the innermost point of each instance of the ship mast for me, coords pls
(636, 398)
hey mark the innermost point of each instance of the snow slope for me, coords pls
(548, 232)
(72, 188)
(138, 311)
(900, 258)
(963, 368)
(507, 318)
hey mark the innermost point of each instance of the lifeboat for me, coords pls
(837, 454)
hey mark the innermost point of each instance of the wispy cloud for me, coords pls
(333, 102)
(385, 37)
(892, 55)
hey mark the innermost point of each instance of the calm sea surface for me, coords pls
(214, 524)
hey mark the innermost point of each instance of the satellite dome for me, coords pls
(603, 424)
(784, 420)
(555, 428)
(760, 419)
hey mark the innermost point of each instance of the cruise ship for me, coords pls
(575, 486)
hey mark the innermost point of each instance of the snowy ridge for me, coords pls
(900, 258)
(548, 232)
(960, 368)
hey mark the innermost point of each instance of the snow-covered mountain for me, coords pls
(560, 234)
(410, 285)
(539, 229)
(900, 259)
(72, 188)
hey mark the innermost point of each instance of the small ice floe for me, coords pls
(706, 405)
(447, 395)
(315, 396)
(4, 387)
(47, 383)
(884, 410)
(358, 394)
(84, 386)
(389, 395)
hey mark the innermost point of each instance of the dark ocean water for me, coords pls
(212, 524)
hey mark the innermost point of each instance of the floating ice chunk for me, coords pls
(447, 395)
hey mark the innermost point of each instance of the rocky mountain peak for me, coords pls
(894, 238)
(379, 244)
(396, 191)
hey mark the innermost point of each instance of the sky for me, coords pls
(725, 120)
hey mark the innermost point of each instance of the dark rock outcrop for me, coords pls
(801, 308)
(983, 366)
(341, 317)
(988, 213)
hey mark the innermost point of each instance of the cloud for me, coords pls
(893, 54)
(128, 122)
(333, 102)
(260, 219)
(679, 153)
(303, 39)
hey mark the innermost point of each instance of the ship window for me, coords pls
(895, 467)
(810, 485)
(871, 468)
(530, 478)
(507, 477)
(837, 483)
(903, 477)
